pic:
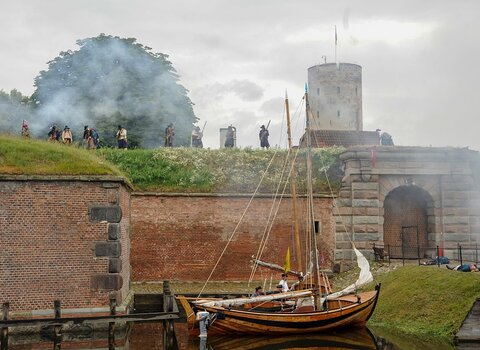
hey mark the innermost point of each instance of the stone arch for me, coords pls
(408, 220)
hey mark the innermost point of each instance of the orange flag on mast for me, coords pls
(287, 261)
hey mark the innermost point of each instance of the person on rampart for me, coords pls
(86, 135)
(25, 131)
(197, 135)
(169, 133)
(95, 138)
(263, 136)
(53, 134)
(385, 138)
(122, 137)
(67, 136)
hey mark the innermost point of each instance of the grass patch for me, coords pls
(35, 157)
(425, 301)
(221, 171)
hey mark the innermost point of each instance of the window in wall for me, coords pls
(338, 89)
(356, 90)
(318, 115)
(338, 113)
(317, 226)
(318, 91)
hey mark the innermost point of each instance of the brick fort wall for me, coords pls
(180, 237)
(65, 239)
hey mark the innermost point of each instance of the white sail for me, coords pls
(364, 277)
(240, 301)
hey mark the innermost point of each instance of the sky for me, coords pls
(237, 58)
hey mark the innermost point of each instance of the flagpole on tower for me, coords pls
(336, 46)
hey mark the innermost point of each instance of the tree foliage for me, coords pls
(110, 81)
(14, 107)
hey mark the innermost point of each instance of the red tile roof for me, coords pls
(345, 138)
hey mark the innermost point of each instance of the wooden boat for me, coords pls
(295, 312)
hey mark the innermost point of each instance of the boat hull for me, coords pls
(356, 311)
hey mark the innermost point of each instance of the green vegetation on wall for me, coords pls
(34, 157)
(225, 170)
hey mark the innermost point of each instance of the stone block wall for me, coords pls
(444, 177)
(63, 238)
(180, 236)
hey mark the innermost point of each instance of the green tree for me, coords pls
(14, 108)
(110, 81)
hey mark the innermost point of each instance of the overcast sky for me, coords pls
(420, 59)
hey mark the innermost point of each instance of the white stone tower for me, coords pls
(335, 96)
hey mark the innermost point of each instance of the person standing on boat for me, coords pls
(283, 282)
(258, 291)
(263, 136)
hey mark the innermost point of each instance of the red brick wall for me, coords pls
(181, 237)
(47, 243)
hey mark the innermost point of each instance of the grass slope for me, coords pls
(35, 157)
(224, 170)
(425, 301)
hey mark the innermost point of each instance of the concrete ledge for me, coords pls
(68, 178)
(240, 195)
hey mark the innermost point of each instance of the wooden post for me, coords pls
(438, 256)
(57, 329)
(111, 325)
(4, 331)
(168, 330)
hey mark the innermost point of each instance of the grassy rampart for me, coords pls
(225, 170)
(20, 156)
(425, 301)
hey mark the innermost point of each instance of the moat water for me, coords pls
(150, 336)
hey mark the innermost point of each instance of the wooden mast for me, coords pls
(310, 200)
(293, 187)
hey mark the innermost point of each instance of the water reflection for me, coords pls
(356, 339)
(151, 336)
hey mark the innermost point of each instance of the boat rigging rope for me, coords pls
(270, 221)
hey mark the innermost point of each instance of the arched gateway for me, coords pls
(406, 222)
(408, 198)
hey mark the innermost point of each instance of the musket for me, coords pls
(204, 126)
(268, 124)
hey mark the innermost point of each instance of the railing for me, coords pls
(462, 253)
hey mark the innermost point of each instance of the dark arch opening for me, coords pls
(406, 223)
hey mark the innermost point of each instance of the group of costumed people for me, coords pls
(91, 139)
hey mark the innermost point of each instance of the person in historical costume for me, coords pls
(263, 136)
(169, 133)
(25, 130)
(53, 134)
(67, 137)
(122, 137)
(197, 135)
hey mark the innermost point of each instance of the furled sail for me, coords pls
(364, 277)
(262, 298)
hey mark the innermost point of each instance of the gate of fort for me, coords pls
(409, 199)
